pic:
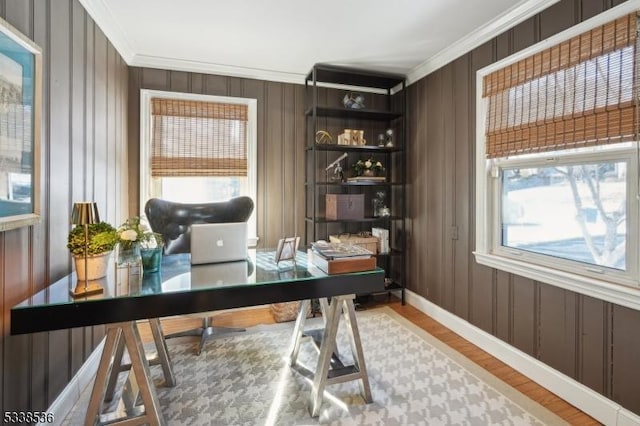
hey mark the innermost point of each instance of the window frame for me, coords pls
(146, 185)
(610, 286)
(628, 155)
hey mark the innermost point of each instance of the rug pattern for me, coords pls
(244, 379)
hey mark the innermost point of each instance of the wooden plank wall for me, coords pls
(594, 342)
(280, 156)
(83, 157)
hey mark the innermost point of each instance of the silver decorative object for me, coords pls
(389, 134)
(353, 100)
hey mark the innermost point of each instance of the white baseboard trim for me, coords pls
(597, 406)
(64, 403)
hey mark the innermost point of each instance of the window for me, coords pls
(557, 161)
(198, 148)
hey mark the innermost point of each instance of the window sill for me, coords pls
(599, 289)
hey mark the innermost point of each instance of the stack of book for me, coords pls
(367, 179)
(382, 235)
(338, 258)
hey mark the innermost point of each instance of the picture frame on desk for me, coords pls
(286, 249)
(20, 108)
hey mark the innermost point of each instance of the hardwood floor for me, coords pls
(251, 317)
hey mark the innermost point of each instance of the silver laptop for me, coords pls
(218, 242)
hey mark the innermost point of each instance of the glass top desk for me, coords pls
(181, 289)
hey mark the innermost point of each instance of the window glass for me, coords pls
(198, 148)
(575, 212)
(202, 189)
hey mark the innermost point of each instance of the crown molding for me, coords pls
(211, 68)
(483, 34)
(102, 16)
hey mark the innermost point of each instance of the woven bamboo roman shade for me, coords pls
(196, 138)
(574, 94)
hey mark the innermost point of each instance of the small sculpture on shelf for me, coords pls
(353, 100)
(352, 137)
(323, 137)
(389, 135)
(338, 174)
(378, 203)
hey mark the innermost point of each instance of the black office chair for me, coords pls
(173, 221)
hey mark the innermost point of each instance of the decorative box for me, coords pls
(369, 243)
(345, 206)
(341, 266)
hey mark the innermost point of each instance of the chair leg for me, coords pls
(205, 332)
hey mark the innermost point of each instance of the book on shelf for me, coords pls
(383, 239)
(367, 179)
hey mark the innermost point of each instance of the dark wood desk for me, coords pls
(175, 291)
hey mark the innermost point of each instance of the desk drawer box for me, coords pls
(345, 206)
(369, 243)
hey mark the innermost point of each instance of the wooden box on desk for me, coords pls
(345, 206)
(369, 243)
(341, 266)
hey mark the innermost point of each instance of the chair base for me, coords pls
(205, 332)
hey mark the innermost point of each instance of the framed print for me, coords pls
(20, 103)
(286, 249)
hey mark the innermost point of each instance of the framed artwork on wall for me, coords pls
(20, 113)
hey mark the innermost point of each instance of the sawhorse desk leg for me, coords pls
(160, 357)
(325, 373)
(120, 336)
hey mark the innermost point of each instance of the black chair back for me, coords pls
(173, 220)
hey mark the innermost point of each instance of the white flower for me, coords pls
(129, 235)
(379, 165)
(367, 164)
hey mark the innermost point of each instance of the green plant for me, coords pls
(102, 237)
(151, 240)
(369, 164)
(130, 233)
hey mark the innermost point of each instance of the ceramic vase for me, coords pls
(96, 266)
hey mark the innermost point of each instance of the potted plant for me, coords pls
(130, 234)
(101, 240)
(138, 244)
(368, 167)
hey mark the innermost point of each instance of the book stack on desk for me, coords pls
(339, 258)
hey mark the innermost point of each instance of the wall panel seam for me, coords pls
(45, 172)
(70, 154)
(577, 334)
(30, 255)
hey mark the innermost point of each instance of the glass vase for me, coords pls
(151, 259)
(128, 269)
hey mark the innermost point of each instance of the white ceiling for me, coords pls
(281, 39)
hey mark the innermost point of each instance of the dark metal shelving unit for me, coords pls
(389, 91)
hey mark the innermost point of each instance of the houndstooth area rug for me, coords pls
(244, 379)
